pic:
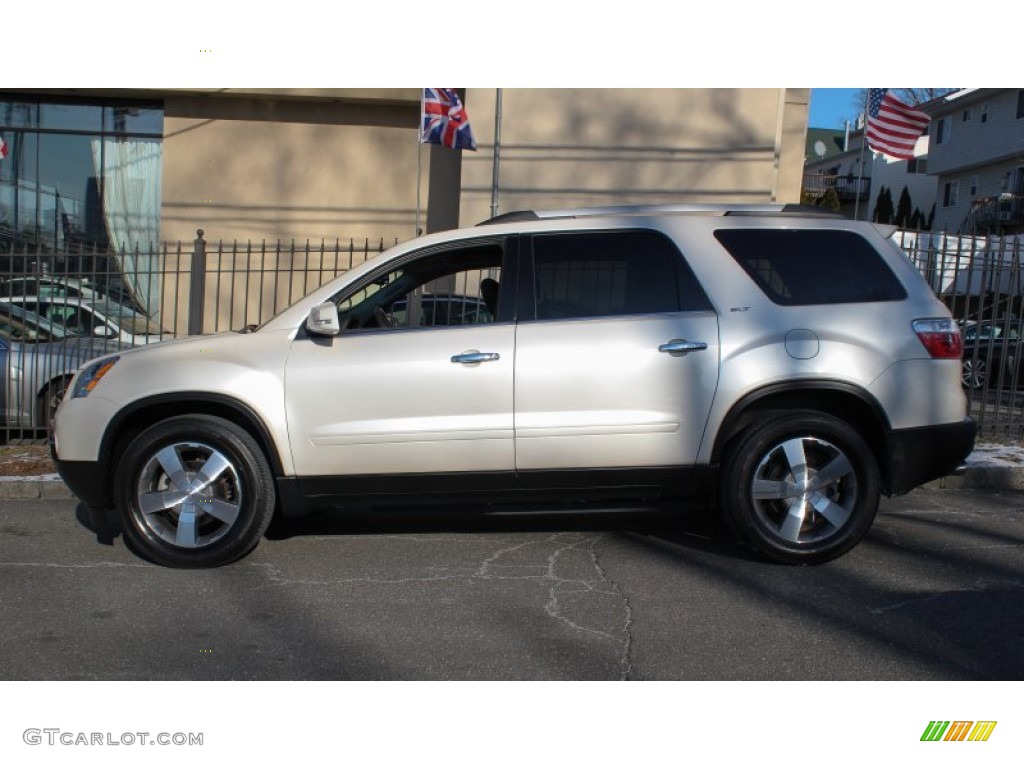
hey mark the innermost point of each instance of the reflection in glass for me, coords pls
(71, 117)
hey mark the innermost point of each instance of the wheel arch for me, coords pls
(845, 401)
(137, 416)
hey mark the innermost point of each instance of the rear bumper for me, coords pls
(922, 454)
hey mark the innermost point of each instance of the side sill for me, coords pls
(302, 496)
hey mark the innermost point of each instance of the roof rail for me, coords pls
(724, 209)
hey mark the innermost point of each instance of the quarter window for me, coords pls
(802, 267)
(601, 274)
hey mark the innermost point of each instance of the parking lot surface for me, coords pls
(934, 592)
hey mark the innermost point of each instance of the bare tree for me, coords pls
(916, 96)
(912, 97)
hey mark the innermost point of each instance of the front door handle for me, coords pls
(475, 357)
(682, 346)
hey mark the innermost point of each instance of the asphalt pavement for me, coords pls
(534, 593)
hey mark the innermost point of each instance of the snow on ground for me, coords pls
(997, 455)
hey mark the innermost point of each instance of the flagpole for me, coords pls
(419, 184)
(419, 161)
(860, 171)
(497, 154)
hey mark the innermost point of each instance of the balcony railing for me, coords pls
(848, 188)
(1001, 211)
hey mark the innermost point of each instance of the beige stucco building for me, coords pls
(123, 171)
(347, 163)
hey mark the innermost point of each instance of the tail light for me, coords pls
(940, 336)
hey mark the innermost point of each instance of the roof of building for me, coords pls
(823, 143)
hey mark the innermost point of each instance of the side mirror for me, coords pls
(104, 332)
(323, 320)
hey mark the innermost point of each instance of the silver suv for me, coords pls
(791, 365)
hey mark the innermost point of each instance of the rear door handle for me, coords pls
(681, 346)
(475, 357)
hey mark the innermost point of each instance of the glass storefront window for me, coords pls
(134, 120)
(70, 117)
(19, 114)
(79, 174)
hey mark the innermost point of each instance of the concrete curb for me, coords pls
(978, 476)
(983, 476)
(34, 488)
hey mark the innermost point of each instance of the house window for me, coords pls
(968, 113)
(984, 112)
(950, 194)
(917, 165)
(1020, 104)
(942, 130)
(974, 185)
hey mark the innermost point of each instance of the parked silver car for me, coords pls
(791, 365)
(37, 361)
(101, 319)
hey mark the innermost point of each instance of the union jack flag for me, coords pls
(445, 121)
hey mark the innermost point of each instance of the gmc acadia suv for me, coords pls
(792, 366)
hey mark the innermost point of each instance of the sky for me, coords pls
(830, 106)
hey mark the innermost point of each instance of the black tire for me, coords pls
(792, 516)
(174, 516)
(49, 400)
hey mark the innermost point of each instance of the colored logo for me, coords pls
(958, 730)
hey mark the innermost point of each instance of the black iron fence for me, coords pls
(59, 309)
(980, 279)
(847, 188)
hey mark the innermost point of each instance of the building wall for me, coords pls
(991, 183)
(892, 173)
(266, 166)
(570, 148)
(973, 142)
(248, 164)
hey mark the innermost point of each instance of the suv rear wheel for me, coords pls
(801, 488)
(194, 492)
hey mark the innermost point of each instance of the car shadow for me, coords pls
(690, 528)
(694, 528)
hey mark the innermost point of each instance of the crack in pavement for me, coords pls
(978, 586)
(546, 567)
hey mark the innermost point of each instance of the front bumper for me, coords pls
(88, 480)
(927, 453)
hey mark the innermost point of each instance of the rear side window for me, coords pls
(812, 266)
(601, 274)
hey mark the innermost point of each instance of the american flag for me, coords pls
(893, 127)
(445, 120)
(3, 149)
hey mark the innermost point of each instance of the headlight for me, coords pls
(91, 376)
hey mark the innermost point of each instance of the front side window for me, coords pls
(451, 288)
(602, 274)
(795, 267)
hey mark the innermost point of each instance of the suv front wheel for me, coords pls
(801, 487)
(194, 492)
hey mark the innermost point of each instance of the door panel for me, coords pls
(392, 401)
(599, 393)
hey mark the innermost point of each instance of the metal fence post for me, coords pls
(197, 287)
